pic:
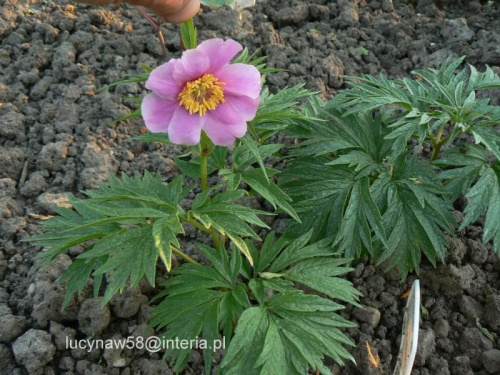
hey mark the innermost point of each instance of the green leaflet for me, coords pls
(134, 260)
(191, 167)
(282, 323)
(309, 264)
(193, 306)
(278, 111)
(270, 250)
(465, 166)
(245, 57)
(485, 198)
(189, 314)
(189, 35)
(320, 275)
(361, 217)
(129, 78)
(152, 137)
(462, 166)
(291, 334)
(265, 187)
(435, 98)
(489, 138)
(353, 176)
(353, 191)
(330, 179)
(332, 202)
(415, 212)
(247, 343)
(149, 191)
(133, 221)
(319, 193)
(77, 275)
(228, 218)
(164, 232)
(254, 149)
(243, 156)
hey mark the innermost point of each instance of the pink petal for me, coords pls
(240, 79)
(219, 52)
(192, 65)
(185, 128)
(157, 112)
(223, 134)
(236, 109)
(162, 82)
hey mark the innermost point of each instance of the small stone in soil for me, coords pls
(11, 326)
(368, 315)
(441, 328)
(6, 360)
(478, 252)
(491, 361)
(12, 123)
(471, 308)
(439, 366)
(456, 251)
(461, 366)
(67, 364)
(34, 349)
(35, 185)
(93, 318)
(62, 335)
(492, 311)
(47, 304)
(457, 30)
(113, 355)
(472, 340)
(52, 157)
(11, 226)
(127, 304)
(426, 346)
(7, 188)
(47, 201)
(150, 366)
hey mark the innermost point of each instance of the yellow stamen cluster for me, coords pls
(202, 94)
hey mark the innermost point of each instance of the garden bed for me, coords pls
(57, 136)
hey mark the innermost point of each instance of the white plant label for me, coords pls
(409, 340)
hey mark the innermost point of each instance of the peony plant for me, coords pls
(356, 184)
(384, 168)
(274, 299)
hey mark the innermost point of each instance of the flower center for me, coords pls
(202, 94)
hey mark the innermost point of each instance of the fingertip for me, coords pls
(189, 10)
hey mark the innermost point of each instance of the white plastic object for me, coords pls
(409, 340)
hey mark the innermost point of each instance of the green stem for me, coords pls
(435, 151)
(253, 132)
(184, 256)
(204, 172)
(440, 131)
(437, 143)
(212, 232)
(206, 149)
(194, 223)
(215, 239)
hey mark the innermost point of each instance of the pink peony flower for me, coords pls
(202, 91)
